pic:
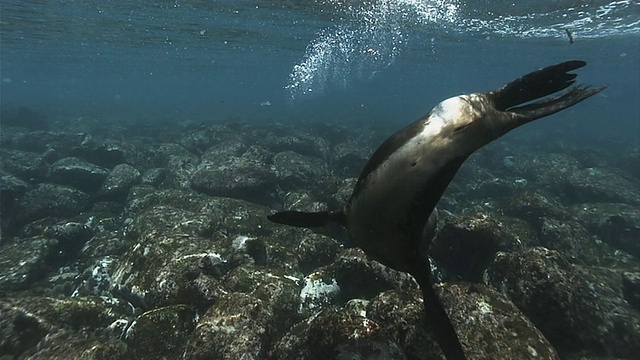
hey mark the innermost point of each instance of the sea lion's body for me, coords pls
(388, 214)
(391, 203)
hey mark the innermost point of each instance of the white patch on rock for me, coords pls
(119, 328)
(214, 258)
(240, 243)
(316, 293)
(484, 308)
(130, 329)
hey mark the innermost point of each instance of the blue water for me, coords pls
(345, 62)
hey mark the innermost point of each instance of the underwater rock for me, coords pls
(281, 137)
(95, 279)
(26, 165)
(476, 180)
(320, 291)
(297, 200)
(66, 344)
(533, 206)
(508, 159)
(26, 261)
(167, 269)
(349, 158)
(160, 333)
(488, 324)
(279, 291)
(400, 313)
(336, 333)
(316, 250)
(170, 211)
(551, 168)
(629, 161)
(73, 313)
(197, 142)
(36, 228)
(20, 331)
(576, 308)
(9, 135)
(50, 200)
(234, 328)
(229, 217)
(597, 185)
(119, 181)
(631, 288)
(71, 238)
(564, 176)
(200, 140)
(142, 197)
(109, 153)
(108, 237)
(180, 165)
(11, 189)
(491, 326)
(577, 244)
(241, 177)
(184, 244)
(24, 117)
(340, 192)
(229, 148)
(465, 245)
(487, 186)
(78, 173)
(617, 224)
(48, 328)
(297, 171)
(62, 143)
(359, 277)
(154, 176)
(170, 252)
(265, 247)
(30, 259)
(58, 283)
(251, 249)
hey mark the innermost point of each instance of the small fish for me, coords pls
(569, 35)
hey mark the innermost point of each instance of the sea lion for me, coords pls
(391, 213)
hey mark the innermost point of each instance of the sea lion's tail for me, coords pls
(514, 96)
(308, 219)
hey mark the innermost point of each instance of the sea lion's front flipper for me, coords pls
(308, 219)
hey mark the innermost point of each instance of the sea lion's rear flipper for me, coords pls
(308, 219)
(436, 316)
(514, 96)
(431, 226)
